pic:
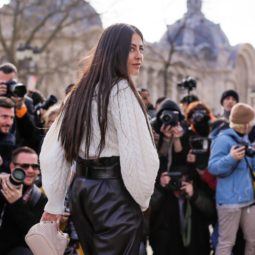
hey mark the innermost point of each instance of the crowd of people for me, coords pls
(203, 201)
(203, 198)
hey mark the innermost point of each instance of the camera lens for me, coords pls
(19, 90)
(17, 177)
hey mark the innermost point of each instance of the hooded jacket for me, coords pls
(234, 181)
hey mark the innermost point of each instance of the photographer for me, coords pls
(180, 215)
(180, 212)
(24, 128)
(228, 99)
(9, 87)
(7, 138)
(200, 119)
(21, 202)
(232, 162)
(167, 128)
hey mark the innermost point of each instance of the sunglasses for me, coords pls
(26, 166)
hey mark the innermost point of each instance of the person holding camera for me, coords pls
(9, 87)
(200, 119)
(232, 162)
(21, 201)
(180, 209)
(180, 214)
(24, 128)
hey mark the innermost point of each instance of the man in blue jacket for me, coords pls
(233, 167)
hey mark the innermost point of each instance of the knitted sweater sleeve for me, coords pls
(138, 156)
(55, 170)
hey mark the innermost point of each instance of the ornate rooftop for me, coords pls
(195, 34)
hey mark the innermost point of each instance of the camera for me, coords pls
(175, 183)
(199, 116)
(249, 151)
(177, 178)
(51, 100)
(200, 146)
(188, 83)
(200, 120)
(16, 89)
(167, 117)
(17, 176)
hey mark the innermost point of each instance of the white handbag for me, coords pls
(44, 238)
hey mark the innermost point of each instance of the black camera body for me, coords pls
(189, 84)
(169, 118)
(200, 120)
(51, 100)
(16, 89)
(199, 116)
(175, 183)
(166, 117)
(200, 146)
(249, 150)
(177, 179)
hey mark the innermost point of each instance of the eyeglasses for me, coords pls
(25, 166)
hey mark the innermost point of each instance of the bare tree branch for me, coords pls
(2, 40)
(14, 28)
(53, 34)
(39, 26)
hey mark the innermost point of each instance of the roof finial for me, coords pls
(194, 6)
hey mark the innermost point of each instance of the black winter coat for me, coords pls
(17, 219)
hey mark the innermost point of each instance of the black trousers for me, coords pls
(107, 219)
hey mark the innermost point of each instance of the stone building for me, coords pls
(57, 65)
(195, 46)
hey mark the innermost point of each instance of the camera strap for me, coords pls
(250, 169)
(234, 167)
(35, 195)
(2, 214)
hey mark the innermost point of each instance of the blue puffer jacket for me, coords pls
(234, 181)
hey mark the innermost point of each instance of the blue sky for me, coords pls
(236, 17)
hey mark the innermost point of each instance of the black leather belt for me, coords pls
(101, 168)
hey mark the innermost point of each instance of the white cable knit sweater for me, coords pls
(127, 136)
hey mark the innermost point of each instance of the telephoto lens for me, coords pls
(17, 176)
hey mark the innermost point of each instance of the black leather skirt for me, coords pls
(107, 219)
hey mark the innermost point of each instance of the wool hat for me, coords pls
(241, 114)
(170, 105)
(229, 93)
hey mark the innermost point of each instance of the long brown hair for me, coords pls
(107, 66)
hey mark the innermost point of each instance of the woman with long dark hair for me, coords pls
(104, 129)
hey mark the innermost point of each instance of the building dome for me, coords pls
(195, 35)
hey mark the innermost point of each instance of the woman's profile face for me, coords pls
(135, 57)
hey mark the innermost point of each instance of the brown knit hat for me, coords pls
(241, 114)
